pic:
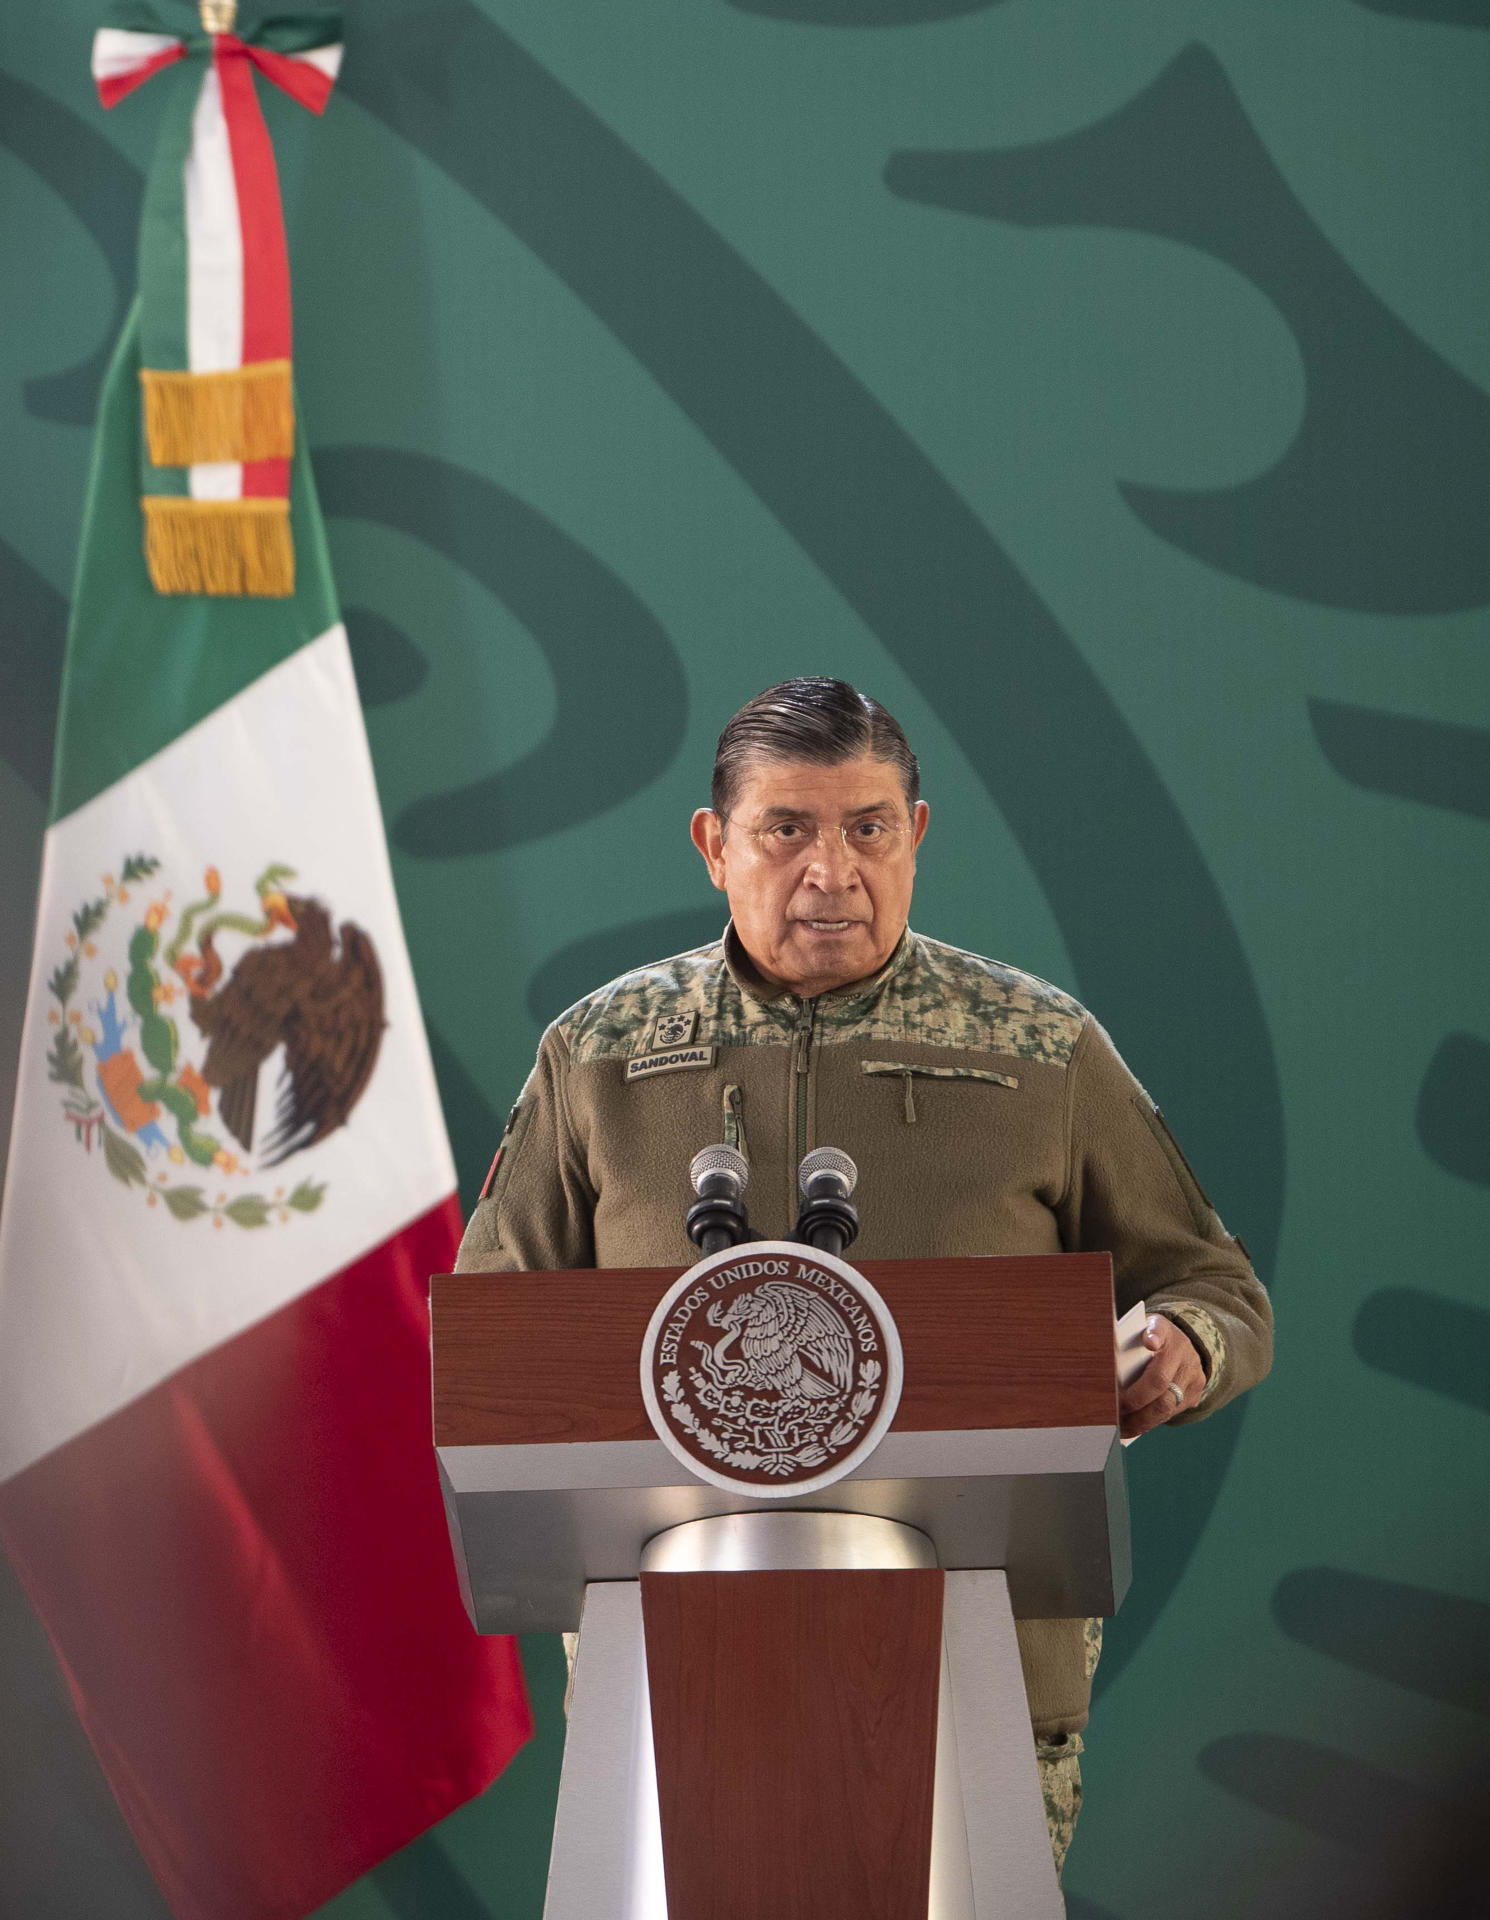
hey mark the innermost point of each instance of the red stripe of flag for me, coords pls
(266, 259)
(247, 1578)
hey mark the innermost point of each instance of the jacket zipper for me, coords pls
(803, 1065)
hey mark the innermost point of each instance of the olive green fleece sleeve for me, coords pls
(1131, 1192)
(537, 1211)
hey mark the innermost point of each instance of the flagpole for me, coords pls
(218, 16)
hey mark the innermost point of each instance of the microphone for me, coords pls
(716, 1220)
(827, 1177)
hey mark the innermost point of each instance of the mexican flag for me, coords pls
(228, 1183)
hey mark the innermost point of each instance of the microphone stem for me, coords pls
(827, 1221)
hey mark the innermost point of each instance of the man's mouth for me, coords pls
(829, 926)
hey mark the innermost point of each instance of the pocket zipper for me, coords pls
(910, 1073)
(734, 1120)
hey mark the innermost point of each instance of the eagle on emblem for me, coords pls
(792, 1343)
(319, 994)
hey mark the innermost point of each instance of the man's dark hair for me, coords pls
(814, 719)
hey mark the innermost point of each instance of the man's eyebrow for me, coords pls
(805, 813)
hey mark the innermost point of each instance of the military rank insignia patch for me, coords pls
(673, 1030)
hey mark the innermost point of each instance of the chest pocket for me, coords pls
(910, 1073)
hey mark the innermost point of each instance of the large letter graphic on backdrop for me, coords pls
(1122, 873)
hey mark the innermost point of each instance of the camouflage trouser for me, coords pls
(571, 1653)
(1060, 1782)
(1060, 1766)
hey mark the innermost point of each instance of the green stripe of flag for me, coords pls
(142, 667)
(162, 248)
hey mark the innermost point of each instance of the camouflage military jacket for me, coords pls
(988, 1113)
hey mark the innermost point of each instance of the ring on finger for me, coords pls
(1178, 1391)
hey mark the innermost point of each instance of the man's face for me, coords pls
(812, 913)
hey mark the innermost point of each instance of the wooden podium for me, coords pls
(811, 1706)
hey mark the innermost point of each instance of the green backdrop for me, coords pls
(1104, 387)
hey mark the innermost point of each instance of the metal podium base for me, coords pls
(990, 1847)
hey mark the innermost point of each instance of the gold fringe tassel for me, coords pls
(247, 413)
(219, 546)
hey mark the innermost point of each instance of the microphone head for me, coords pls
(719, 1160)
(828, 1160)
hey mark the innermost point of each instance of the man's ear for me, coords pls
(707, 835)
(920, 818)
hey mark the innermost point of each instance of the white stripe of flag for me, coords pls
(214, 270)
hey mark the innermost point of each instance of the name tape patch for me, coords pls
(677, 1061)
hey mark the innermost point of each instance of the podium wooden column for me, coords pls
(817, 1664)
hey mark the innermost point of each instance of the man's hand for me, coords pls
(1171, 1382)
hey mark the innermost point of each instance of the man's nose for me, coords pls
(831, 867)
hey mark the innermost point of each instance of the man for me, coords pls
(988, 1113)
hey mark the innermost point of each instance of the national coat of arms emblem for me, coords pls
(162, 1021)
(771, 1369)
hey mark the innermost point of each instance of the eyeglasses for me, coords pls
(871, 840)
